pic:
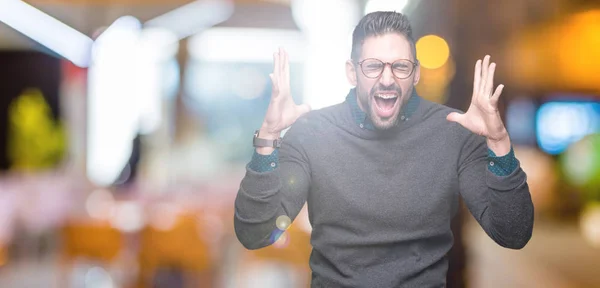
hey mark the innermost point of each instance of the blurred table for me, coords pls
(556, 256)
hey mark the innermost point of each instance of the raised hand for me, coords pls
(282, 111)
(483, 117)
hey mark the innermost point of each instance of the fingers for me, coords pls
(281, 73)
(281, 54)
(484, 73)
(484, 67)
(276, 64)
(455, 117)
(277, 71)
(285, 72)
(489, 83)
(483, 83)
(275, 75)
(274, 86)
(477, 79)
(494, 99)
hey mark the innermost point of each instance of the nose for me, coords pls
(387, 76)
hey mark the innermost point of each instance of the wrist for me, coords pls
(266, 133)
(269, 134)
(265, 150)
(500, 145)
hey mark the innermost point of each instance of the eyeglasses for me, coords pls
(401, 69)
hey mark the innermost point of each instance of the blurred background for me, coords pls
(126, 125)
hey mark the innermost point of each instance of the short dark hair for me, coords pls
(380, 23)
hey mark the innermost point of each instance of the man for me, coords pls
(383, 171)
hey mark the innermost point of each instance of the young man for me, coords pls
(382, 172)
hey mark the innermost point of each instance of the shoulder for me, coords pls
(436, 111)
(321, 119)
(435, 115)
(314, 125)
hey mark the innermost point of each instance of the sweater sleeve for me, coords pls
(264, 163)
(501, 204)
(502, 165)
(264, 196)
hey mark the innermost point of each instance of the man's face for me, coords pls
(383, 97)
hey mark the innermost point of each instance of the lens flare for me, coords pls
(283, 241)
(283, 222)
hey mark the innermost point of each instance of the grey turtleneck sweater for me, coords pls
(380, 203)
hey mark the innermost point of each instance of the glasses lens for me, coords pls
(402, 68)
(372, 68)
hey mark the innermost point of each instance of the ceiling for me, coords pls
(87, 16)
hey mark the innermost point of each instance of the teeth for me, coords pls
(386, 96)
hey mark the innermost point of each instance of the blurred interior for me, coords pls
(125, 129)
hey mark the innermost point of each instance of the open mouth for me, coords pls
(385, 104)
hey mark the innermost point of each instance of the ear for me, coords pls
(351, 73)
(417, 74)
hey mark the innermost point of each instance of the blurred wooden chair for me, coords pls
(3, 255)
(95, 241)
(179, 247)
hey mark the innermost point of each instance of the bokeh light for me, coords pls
(210, 227)
(100, 204)
(590, 224)
(559, 124)
(283, 241)
(576, 39)
(252, 83)
(97, 277)
(434, 83)
(432, 51)
(581, 163)
(570, 42)
(128, 217)
(283, 222)
(385, 5)
(542, 176)
(520, 120)
(163, 216)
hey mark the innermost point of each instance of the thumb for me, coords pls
(303, 109)
(455, 117)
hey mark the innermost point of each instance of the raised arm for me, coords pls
(500, 202)
(491, 180)
(277, 179)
